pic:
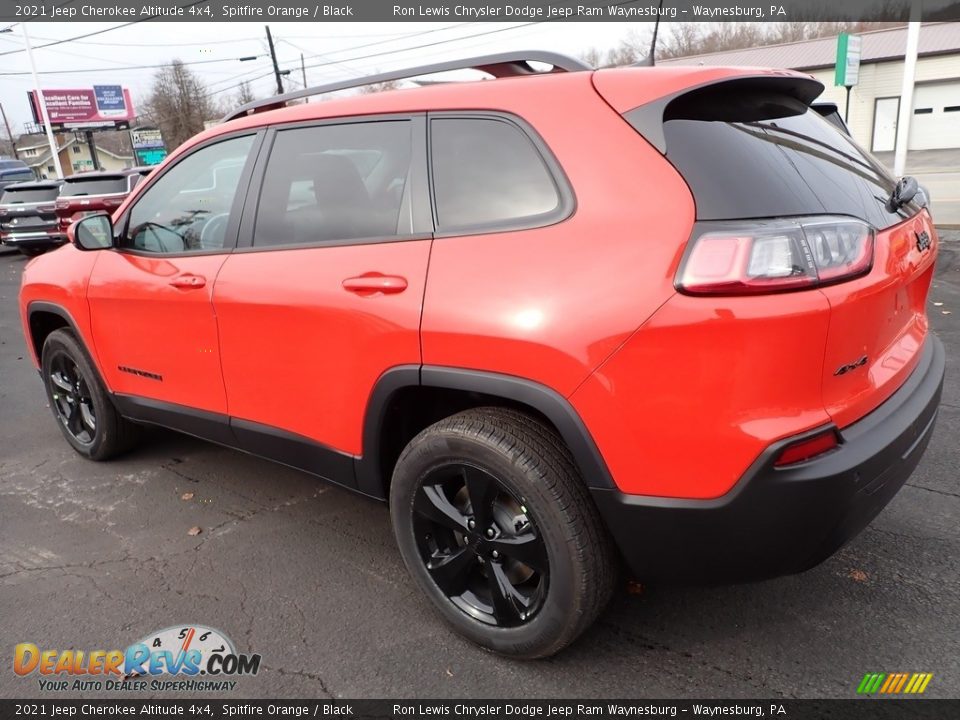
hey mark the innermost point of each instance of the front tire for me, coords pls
(498, 529)
(79, 401)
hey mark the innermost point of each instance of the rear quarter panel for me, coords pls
(550, 304)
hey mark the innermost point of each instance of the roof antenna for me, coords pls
(648, 61)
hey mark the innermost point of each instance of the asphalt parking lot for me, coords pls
(96, 556)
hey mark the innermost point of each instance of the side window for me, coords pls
(188, 209)
(487, 173)
(336, 182)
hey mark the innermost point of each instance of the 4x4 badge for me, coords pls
(844, 369)
(923, 241)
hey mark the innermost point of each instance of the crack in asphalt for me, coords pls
(303, 674)
(932, 490)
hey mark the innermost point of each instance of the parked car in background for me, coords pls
(28, 217)
(92, 192)
(14, 171)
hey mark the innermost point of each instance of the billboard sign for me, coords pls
(148, 146)
(102, 106)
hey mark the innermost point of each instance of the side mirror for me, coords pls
(94, 232)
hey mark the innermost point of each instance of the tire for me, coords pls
(32, 252)
(536, 567)
(79, 401)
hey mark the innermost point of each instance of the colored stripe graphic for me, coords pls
(894, 683)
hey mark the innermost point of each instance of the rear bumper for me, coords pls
(32, 240)
(777, 521)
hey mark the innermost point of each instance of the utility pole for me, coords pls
(92, 148)
(9, 134)
(54, 151)
(303, 69)
(906, 91)
(273, 56)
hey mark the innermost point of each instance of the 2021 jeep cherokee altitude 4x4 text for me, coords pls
(665, 314)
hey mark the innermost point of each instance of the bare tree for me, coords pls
(380, 87)
(179, 103)
(685, 39)
(245, 94)
(631, 49)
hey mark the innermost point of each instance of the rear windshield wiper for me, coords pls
(903, 192)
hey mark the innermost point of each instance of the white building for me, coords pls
(74, 158)
(875, 102)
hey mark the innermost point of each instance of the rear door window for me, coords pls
(489, 175)
(336, 182)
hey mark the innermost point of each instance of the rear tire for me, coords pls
(499, 530)
(31, 252)
(79, 401)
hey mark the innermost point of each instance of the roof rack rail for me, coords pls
(500, 65)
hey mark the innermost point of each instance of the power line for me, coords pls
(425, 45)
(98, 32)
(128, 67)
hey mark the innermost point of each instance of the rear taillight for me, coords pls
(766, 256)
(808, 448)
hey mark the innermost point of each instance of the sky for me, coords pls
(335, 50)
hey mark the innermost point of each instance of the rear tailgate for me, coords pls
(758, 160)
(878, 322)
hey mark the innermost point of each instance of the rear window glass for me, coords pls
(31, 195)
(783, 159)
(17, 174)
(95, 186)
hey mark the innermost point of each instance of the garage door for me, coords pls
(936, 116)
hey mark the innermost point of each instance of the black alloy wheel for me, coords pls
(80, 402)
(480, 545)
(499, 531)
(72, 401)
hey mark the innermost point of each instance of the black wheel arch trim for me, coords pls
(539, 397)
(38, 306)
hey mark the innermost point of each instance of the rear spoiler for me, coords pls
(721, 101)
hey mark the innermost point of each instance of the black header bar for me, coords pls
(473, 10)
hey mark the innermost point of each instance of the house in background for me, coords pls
(74, 157)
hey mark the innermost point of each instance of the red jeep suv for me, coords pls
(554, 319)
